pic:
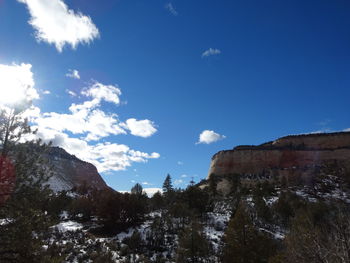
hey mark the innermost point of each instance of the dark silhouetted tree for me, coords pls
(193, 245)
(243, 243)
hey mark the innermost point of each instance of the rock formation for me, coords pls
(293, 155)
(69, 171)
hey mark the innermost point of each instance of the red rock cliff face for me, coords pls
(294, 153)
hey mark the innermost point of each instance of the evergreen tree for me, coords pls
(196, 199)
(167, 185)
(137, 190)
(156, 236)
(261, 207)
(243, 243)
(157, 201)
(21, 237)
(168, 190)
(193, 245)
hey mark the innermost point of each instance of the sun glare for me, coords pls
(17, 84)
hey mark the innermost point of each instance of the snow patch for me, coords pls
(68, 226)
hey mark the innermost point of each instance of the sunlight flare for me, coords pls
(16, 84)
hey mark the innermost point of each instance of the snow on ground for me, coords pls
(305, 195)
(215, 229)
(143, 228)
(271, 200)
(5, 221)
(64, 215)
(277, 234)
(68, 226)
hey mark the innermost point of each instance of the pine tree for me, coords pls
(157, 201)
(167, 185)
(243, 243)
(21, 237)
(193, 245)
(168, 190)
(137, 190)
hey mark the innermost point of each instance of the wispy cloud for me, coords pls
(211, 52)
(178, 181)
(208, 136)
(56, 24)
(72, 93)
(324, 122)
(73, 73)
(180, 163)
(46, 92)
(169, 6)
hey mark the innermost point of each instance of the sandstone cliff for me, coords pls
(299, 155)
(69, 171)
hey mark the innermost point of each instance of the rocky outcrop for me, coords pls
(290, 155)
(69, 171)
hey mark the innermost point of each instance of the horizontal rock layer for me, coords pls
(300, 152)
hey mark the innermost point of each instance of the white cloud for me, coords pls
(347, 130)
(31, 113)
(17, 85)
(211, 52)
(46, 92)
(73, 73)
(105, 156)
(171, 9)
(56, 24)
(72, 93)
(83, 119)
(208, 137)
(184, 176)
(151, 191)
(101, 92)
(180, 163)
(99, 125)
(142, 128)
(88, 121)
(178, 181)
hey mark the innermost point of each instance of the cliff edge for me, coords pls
(287, 156)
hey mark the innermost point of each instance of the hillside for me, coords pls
(69, 171)
(230, 217)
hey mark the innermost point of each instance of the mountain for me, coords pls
(293, 157)
(69, 171)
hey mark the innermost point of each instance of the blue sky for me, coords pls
(250, 71)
